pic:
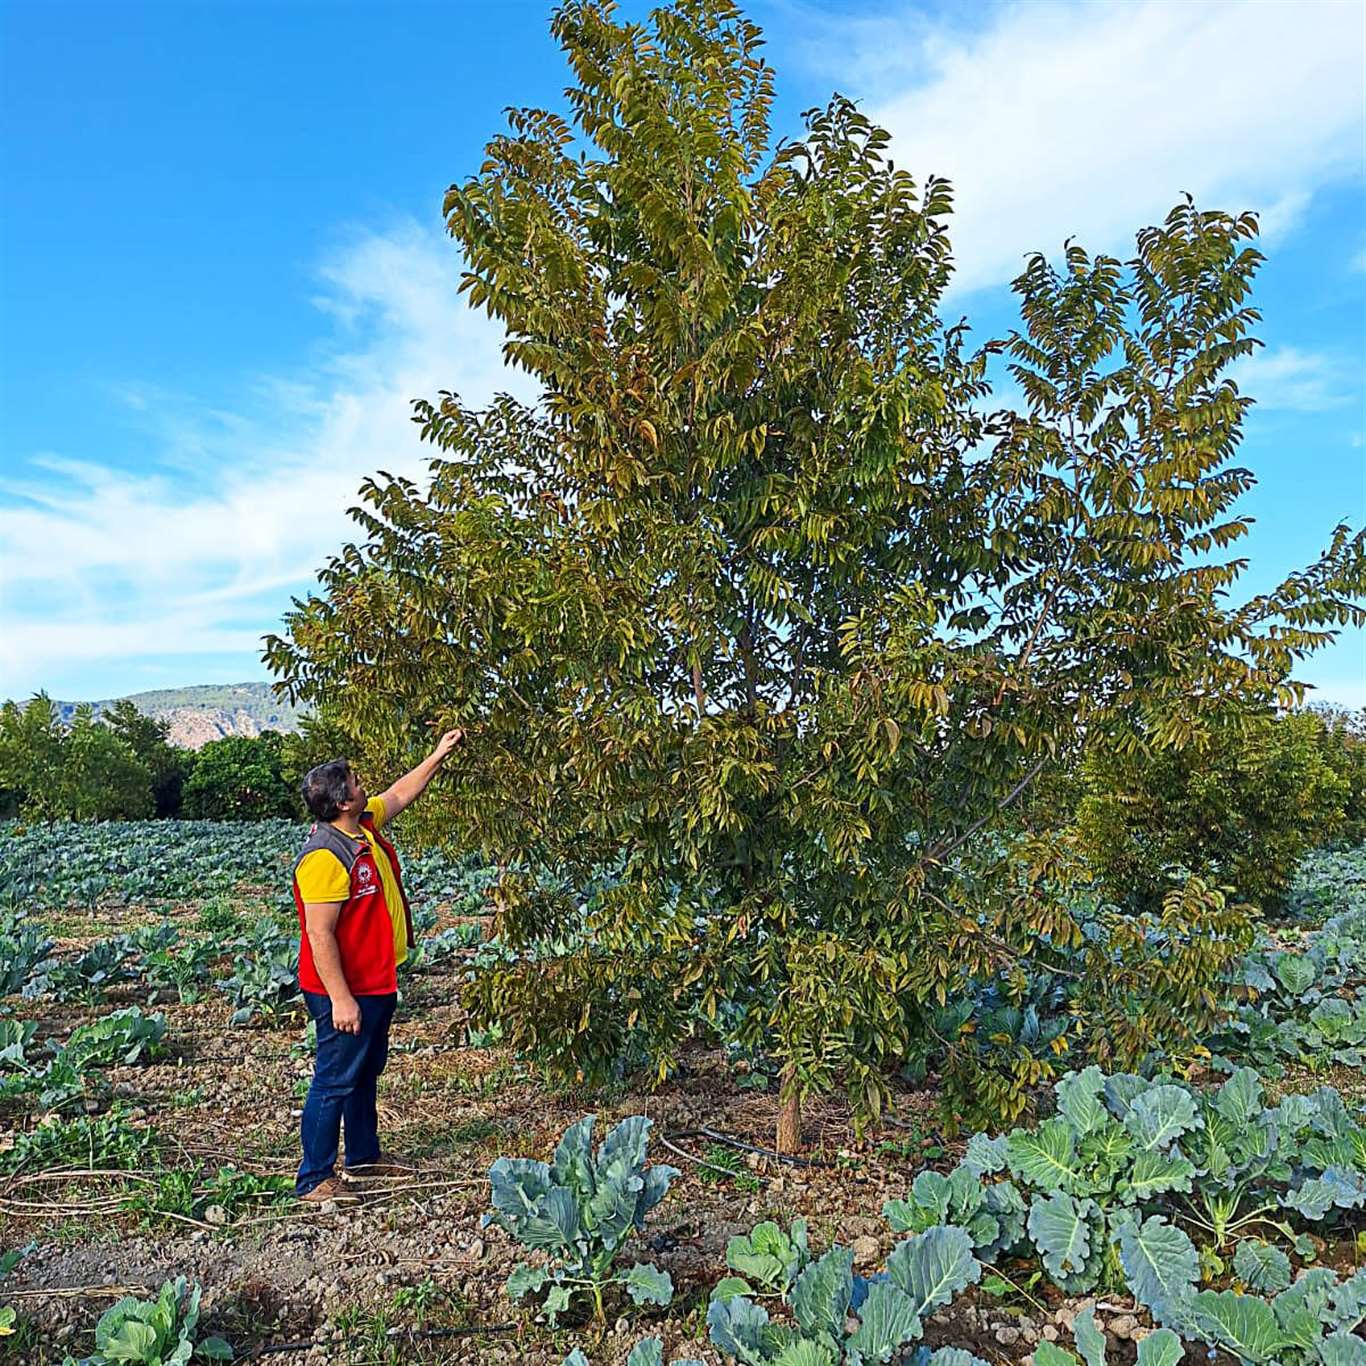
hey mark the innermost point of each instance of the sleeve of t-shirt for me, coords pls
(375, 806)
(321, 877)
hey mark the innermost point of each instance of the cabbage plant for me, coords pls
(24, 951)
(266, 982)
(117, 1040)
(840, 1319)
(157, 1332)
(1311, 1321)
(766, 1260)
(579, 1211)
(1121, 1148)
(1106, 1179)
(1306, 1005)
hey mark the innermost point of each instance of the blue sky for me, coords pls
(223, 274)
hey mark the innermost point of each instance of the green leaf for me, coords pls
(728, 1287)
(1050, 1354)
(1160, 1116)
(768, 1256)
(1045, 1157)
(1314, 1197)
(1239, 1099)
(215, 1349)
(647, 1352)
(1162, 1348)
(1296, 972)
(525, 1280)
(821, 1295)
(131, 1341)
(737, 1326)
(985, 1156)
(1161, 1266)
(934, 1266)
(1242, 1323)
(1090, 1340)
(1303, 1310)
(647, 1284)
(1153, 1173)
(1349, 1301)
(887, 1320)
(1079, 1099)
(1261, 1267)
(1342, 1349)
(556, 1302)
(573, 1165)
(805, 1353)
(1121, 1090)
(1059, 1226)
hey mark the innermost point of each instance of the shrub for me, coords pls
(1238, 810)
(238, 778)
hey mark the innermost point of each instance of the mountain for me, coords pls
(209, 711)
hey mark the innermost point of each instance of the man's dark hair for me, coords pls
(326, 787)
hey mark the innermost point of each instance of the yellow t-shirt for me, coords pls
(322, 878)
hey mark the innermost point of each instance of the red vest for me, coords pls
(365, 930)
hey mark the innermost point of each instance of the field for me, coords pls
(152, 1066)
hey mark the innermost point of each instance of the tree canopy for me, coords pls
(763, 617)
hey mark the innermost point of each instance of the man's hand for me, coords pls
(346, 1015)
(412, 785)
(447, 743)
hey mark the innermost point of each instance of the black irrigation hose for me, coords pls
(729, 1141)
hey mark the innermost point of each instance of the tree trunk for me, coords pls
(789, 1116)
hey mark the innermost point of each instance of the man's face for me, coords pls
(357, 799)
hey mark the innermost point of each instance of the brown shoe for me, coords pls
(386, 1164)
(330, 1189)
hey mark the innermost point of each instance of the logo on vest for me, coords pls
(365, 879)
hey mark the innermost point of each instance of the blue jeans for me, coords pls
(343, 1088)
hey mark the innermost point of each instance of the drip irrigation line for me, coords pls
(712, 1166)
(730, 1141)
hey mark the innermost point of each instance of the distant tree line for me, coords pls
(122, 765)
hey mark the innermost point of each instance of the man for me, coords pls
(355, 929)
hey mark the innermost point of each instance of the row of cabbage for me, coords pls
(262, 984)
(1305, 1005)
(166, 963)
(89, 864)
(1101, 1196)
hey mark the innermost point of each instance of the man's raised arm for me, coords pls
(411, 786)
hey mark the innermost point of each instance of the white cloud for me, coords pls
(1091, 119)
(1285, 377)
(104, 565)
